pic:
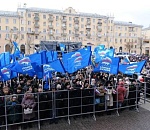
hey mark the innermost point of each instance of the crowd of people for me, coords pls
(24, 99)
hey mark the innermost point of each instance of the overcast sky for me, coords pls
(136, 11)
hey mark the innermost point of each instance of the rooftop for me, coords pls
(127, 24)
(145, 29)
(9, 13)
(54, 11)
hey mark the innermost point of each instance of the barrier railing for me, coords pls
(53, 105)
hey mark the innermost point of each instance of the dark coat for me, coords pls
(13, 111)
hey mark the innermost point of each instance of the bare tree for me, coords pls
(129, 46)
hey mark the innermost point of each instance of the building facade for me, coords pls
(29, 26)
(146, 40)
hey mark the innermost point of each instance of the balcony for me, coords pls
(36, 25)
(51, 33)
(88, 35)
(99, 35)
(76, 34)
(63, 34)
(36, 18)
(50, 19)
(36, 32)
(64, 27)
(99, 28)
(88, 27)
(88, 22)
(50, 26)
(76, 20)
(64, 20)
(76, 27)
(99, 23)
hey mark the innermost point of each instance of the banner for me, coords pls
(108, 65)
(99, 54)
(132, 68)
(23, 66)
(78, 61)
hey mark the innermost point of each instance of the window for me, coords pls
(0, 27)
(93, 33)
(29, 29)
(44, 16)
(57, 31)
(22, 48)
(82, 19)
(0, 20)
(29, 15)
(6, 21)
(70, 25)
(125, 40)
(81, 32)
(120, 28)
(21, 13)
(22, 28)
(44, 23)
(15, 36)
(70, 18)
(22, 22)
(82, 25)
(93, 26)
(111, 21)
(125, 28)
(116, 34)
(119, 34)
(57, 24)
(120, 40)
(14, 21)
(29, 22)
(135, 46)
(0, 35)
(7, 35)
(69, 31)
(93, 20)
(57, 17)
(44, 30)
(70, 11)
(22, 36)
(115, 40)
(15, 29)
(7, 28)
(36, 37)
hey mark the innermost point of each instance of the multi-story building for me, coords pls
(146, 40)
(32, 25)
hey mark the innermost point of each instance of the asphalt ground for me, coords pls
(128, 120)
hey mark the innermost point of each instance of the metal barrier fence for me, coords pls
(52, 105)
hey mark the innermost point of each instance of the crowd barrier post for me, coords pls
(136, 107)
(94, 104)
(6, 123)
(39, 127)
(68, 109)
(117, 110)
(144, 92)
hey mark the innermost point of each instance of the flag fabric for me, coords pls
(51, 56)
(16, 50)
(78, 61)
(69, 55)
(130, 69)
(99, 47)
(62, 47)
(107, 65)
(99, 54)
(5, 59)
(125, 60)
(23, 66)
(6, 73)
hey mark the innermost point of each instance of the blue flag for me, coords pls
(5, 59)
(108, 65)
(78, 61)
(23, 66)
(16, 50)
(125, 60)
(72, 54)
(6, 73)
(132, 68)
(62, 47)
(51, 55)
(99, 54)
(99, 47)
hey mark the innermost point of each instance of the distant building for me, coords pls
(32, 25)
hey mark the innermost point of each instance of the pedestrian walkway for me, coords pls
(128, 120)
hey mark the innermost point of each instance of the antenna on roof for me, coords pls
(24, 5)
